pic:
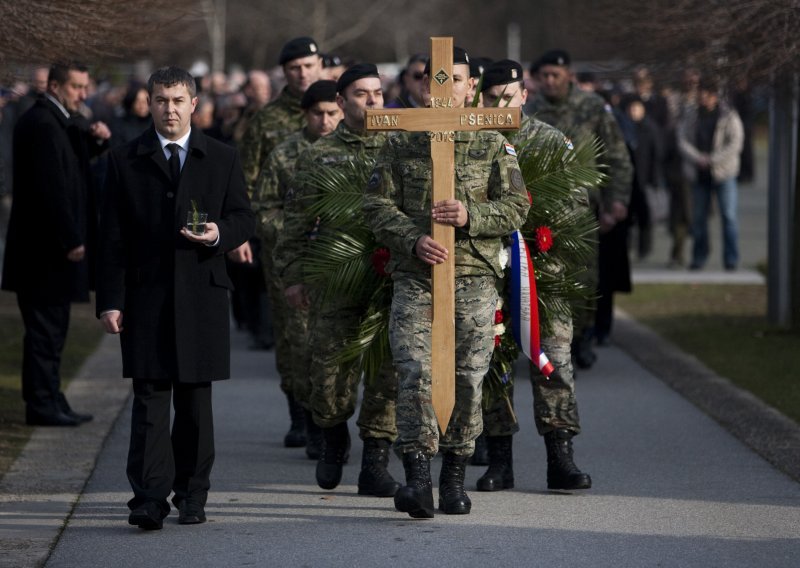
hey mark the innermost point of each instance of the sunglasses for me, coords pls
(417, 76)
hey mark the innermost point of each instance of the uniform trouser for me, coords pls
(554, 404)
(290, 327)
(334, 388)
(410, 339)
(45, 334)
(160, 462)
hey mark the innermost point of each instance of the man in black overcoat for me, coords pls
(50, 233)
(165, 291)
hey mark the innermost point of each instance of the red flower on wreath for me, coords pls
(497, 340)
(380, 259)
(498, 317)
(543, 237)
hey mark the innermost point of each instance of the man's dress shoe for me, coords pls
(55, 419)
(149, 517)
(81, 418)
(190, 513)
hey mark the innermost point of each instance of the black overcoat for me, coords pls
(173, 293)
(52, 211)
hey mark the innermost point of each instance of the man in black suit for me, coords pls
(165, 291)
(51, 225)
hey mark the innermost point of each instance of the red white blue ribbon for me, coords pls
(525, 305)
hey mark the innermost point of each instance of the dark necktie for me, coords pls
(174, 163)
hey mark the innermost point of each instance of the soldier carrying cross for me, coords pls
(489, 202)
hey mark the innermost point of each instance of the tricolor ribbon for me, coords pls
(525, 305)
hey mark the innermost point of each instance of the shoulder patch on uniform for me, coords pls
(608, 108)
(568, 143)
(509, 149)
(374, 181)
(515, 176)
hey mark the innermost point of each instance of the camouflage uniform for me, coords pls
(398, 208)
(334, 391)
(290, 324)
(268, 128)
(581, 116)
(554, 404)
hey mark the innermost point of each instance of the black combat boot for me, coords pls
(314, 438)
(296, 436)
(500, 474)
(481, 454)
(453, 500)
(335, 451)
(416, 496)
(562, 473)
(374, 478)
(582, 351)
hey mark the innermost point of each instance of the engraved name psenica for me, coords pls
(480, 119)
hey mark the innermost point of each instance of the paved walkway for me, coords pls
(672, 488)
(672, 485)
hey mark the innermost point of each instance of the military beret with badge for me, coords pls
(354, 73)
(297, 48)
(555, 57)
(502, 72)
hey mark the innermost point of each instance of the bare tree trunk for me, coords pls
(214, 14)
(795, 220)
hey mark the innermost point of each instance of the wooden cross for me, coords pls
(441, 121)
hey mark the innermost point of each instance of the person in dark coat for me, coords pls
(50, 228)
(136, 115)
(165, 291)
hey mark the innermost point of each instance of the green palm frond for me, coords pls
(368, 350)
(339, 264)
(550, 168)
(337, 193)
(339, 261)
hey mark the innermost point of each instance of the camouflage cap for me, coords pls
(354, 73)
(502, 72)
(297, 48)
(321, 91)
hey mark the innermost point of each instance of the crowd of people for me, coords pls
(120, 175)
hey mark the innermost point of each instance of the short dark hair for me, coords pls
(59, 71)
(170, 76)
(709, 85)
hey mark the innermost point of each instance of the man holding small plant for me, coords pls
(164, 289)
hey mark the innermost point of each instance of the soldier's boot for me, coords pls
(562, 473)
(481, 454)
(582, 351)
(314, 438)
(374, 478)
(453, 500)
(335, 451)
(500, 474)
(296, 436)
(416, 496)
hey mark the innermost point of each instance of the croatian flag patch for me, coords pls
(510, 149)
